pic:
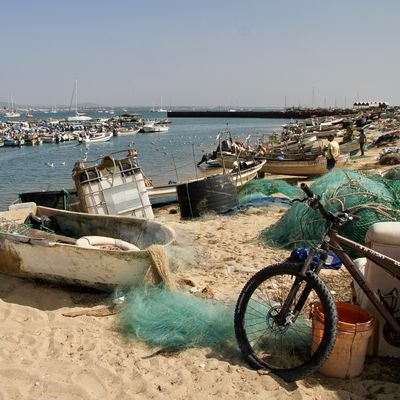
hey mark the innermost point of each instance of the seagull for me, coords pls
(50, 164)
(62, 162)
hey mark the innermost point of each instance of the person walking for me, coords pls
(332, 152)
(362, 139)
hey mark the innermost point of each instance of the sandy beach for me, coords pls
(61, 343)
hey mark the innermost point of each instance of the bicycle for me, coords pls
(272, 319)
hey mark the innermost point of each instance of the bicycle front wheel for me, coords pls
(284, 344)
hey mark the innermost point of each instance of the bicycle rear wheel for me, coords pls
(285, 347)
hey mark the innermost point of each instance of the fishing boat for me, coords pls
(13, 141)
(126, 130)
(297, 167)
(153, 126)
(97, 251)
(95, 137)
(239, 175)
(115, 185)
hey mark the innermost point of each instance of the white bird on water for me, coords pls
(50, 164)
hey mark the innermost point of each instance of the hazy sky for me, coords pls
(204, 52)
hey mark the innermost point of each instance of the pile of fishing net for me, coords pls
(175, 319)
(372, 198)
(393, 173)
(259, 190)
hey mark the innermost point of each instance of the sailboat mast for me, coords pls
(76, 97)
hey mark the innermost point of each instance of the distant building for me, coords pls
(362, 105)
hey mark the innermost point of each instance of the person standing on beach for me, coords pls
(362, 139)
(332, 152)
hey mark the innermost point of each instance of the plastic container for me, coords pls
(355, 327)
(214, 193)
(384, 238)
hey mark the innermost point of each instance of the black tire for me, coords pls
(285, 349)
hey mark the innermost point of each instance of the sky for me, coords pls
(249, 53)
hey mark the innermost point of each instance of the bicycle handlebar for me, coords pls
(338, 218)
(315, 203)
(307, 190)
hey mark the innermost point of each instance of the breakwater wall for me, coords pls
(287, 114)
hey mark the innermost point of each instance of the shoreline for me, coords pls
(54, 345)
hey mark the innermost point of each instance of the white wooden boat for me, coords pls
(155, 128)
(126, 131)
(96, 137)
(98, 251)
(302, 167)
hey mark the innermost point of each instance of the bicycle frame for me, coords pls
(334, 241)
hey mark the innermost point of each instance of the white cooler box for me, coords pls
(383, 237)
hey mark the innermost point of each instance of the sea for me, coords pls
(164, 157)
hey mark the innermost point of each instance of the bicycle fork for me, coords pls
(287, 317)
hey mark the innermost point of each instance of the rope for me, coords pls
(159, 271)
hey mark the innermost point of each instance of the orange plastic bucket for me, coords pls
(355, 327)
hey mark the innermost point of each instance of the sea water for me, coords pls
(164, 157)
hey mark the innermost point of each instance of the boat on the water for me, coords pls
(98, 251)
(154, 127)
(13, 141)
(126, 131)
(95, 137)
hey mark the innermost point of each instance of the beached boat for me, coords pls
(115, 184)
(239, 175)
(351, 147)
(98, 251)
(302, 167)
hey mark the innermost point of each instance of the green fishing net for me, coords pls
(371, 197)
(266, 187)
(393, 173)
(176, 320)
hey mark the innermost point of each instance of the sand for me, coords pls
(53, 347)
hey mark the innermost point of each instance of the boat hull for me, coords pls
(168, 193)
(302, 167)
(98, 139)
(58, 258)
